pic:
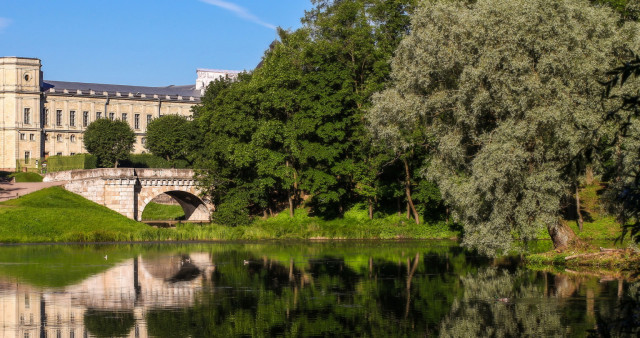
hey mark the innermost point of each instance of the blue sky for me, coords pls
(143, 42)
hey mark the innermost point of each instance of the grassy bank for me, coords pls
(155, 211)
(56, 215)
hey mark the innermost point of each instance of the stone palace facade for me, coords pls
(41, 118)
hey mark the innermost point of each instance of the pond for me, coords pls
(343, 288)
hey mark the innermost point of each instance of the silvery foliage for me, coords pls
(507, 92)
(502, 304)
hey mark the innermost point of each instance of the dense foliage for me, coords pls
(493, 111)
(171, 137)
(293, 130)
(109, 140)
(505, 96)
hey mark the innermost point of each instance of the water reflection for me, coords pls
(298, 289)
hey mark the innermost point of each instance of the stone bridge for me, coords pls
(129, 190)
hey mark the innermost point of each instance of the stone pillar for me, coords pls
(120, 195)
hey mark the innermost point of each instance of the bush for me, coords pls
(26, 177)
(79, 161)
(151, 161)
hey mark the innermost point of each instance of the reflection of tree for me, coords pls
(624, 320)
(109, 323)
(501, 304)
(401, 294)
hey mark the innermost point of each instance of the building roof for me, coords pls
(60, 86)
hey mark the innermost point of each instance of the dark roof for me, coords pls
(185, 91)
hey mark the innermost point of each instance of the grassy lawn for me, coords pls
(56, 215)
(156, 211)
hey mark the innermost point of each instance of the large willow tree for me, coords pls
(507, 93)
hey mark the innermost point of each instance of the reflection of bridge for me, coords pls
(132, 287)
(128, 190)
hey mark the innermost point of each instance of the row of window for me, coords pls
(27, 157)
(85, 118)
(32, 137)
(72, 138)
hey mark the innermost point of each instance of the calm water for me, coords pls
(377, 289)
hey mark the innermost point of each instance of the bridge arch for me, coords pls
(195, 209)
(179, 184)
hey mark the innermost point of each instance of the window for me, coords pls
(85, 118)
(27, 116)
(136, 121)
(149, 118)
(124, 117)
(112, 116)
(72, 154)
(98, 115)
(27, 301)
(32, 137)
(144, 141)
(59, 154)
(59, 137)
(46, 117)
(27, 156)
(23, 137)
(58, 118)
(72, 118)
(46, 137)
(73, 138)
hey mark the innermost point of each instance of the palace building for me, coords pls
(40, 118)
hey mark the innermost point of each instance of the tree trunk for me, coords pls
(407, 189)
(116, 164)
(561, 235)
(290, 205)
(580, 220)
(589, 175)
(292, 193)
(370, 208)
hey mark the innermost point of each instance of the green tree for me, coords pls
(622, 131)
(110, 140)
(171, 137)
(507, 93)
(295, 127)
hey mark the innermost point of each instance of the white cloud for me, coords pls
(4, 23)
(239, 11)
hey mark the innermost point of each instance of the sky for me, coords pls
(143, 42)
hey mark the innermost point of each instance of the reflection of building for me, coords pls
(39, 117)
(129, 288)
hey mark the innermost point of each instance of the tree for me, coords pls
(171, 137)
(110, 140)
(506, 94)
(295, 126)
(623, 133)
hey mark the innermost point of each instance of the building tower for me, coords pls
(20, 112)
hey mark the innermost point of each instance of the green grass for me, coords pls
(56, 215)
(26, 177)
(156, 211)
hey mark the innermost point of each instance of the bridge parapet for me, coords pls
(84, 174)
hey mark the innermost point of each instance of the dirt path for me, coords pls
(13, 190)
